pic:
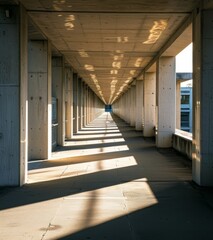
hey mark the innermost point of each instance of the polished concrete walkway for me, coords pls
(108, 183)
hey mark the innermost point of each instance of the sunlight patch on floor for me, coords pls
(88, 151)
(79, 169)
(93, 208)
(91, 142)
(81, 136)
(92, 131)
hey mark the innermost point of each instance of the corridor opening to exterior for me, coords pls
(108, 182)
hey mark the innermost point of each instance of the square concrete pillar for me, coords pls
(149, 104)
(69, 102)
(128, 106)
(13, 96)
(202, 155)
(166, 101)
(178, 104)
(79, 103)
(139, 106)
(89, 106)
(82, 104)
(40, 100)
(58, 91)
(75, 103)
(85, 106)
(132, 105)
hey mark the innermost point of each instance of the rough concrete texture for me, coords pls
(108, 182)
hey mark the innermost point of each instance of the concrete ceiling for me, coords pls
(110, 42)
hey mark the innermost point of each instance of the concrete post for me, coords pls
(149, 104)
(178, 104)
(75, 103)
(202, 156)
(69, 103)
(128, 105)
(79, 103)
(85, 106)
(58, 91)
(82, 104)
(13, 97)
(139, 105)
(132, 105)
(166, 112)
(88, 104)
(39, 93)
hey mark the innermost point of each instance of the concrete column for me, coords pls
(132, 105)
(92, 106)
(85, 105)
(82, 104)
(149, 104)
(58, 91)
(40, 102)
(88, 106)
(139, 105)
(178, 103)
(166, 112)
(79, 103)
(75, 103)
(128, 106)
(202, 156)
(69, 103)
(13, 96)
(88, 116)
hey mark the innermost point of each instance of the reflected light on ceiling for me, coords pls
(138, 62)
(118, 57)
(89, 67)
(114, 72)
(83, 53)
(156, 31)
(122, 39)
(69, 22)
(132, 72)
(116, 65)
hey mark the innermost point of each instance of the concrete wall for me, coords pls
(182, 142)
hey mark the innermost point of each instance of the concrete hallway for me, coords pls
(108, 183)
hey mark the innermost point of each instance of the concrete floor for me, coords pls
(108, 183)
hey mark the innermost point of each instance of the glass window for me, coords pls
(185, 119)
(184, 99)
